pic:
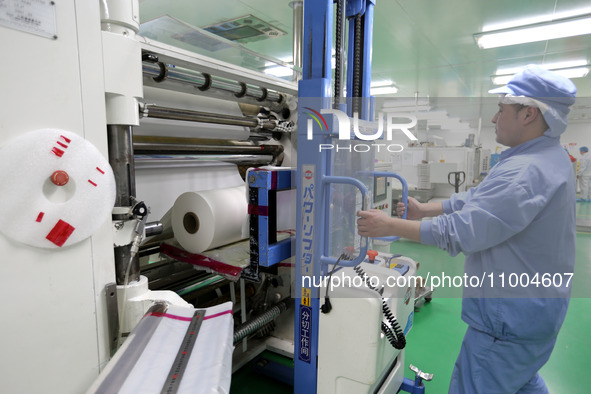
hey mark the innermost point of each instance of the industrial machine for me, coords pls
(95, 141)
(428, 169)
(108, 187)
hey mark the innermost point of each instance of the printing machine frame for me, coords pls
(91, 82)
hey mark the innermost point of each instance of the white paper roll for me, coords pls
(208, 219)
(56, 187)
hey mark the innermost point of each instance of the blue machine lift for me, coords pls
(315, 170)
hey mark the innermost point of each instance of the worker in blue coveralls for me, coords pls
(518, 223)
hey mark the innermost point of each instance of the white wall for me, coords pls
(577, 134)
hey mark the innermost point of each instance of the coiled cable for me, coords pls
(392, 332)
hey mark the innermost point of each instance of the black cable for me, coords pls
(327, 307)
(393, 332)
(396, 338)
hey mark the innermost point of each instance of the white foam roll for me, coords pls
(57, 188)
(208, 219)
(175, 128)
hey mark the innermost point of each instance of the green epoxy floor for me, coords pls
(435, 339)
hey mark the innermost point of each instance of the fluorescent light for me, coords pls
(278, 71)
(578, 72)
(573, 72)
(378, 84)
(383, 90)
(547, 66)
(536, 19)
(537, 32)
(386, 86)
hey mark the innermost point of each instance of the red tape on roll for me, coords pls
(60, 233)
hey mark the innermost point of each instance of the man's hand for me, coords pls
(418, 210)
(374, 223)
(414, 209)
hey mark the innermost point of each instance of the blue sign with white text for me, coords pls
(305, 333)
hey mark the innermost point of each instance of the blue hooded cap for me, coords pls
(555, 92)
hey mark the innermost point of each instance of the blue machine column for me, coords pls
(315, 169)
(314, 93)
(360, 16)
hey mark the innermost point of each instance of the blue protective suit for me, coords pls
(519, 222)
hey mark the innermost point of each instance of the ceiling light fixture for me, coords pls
(547, 66)
(559, 28)
(530, 20)
(382, 87)
(383, 90)
(572, 72)
(379, 84)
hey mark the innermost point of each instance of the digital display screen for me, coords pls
(380, 186)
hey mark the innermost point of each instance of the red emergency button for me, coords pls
(372, 255)
(60, 178)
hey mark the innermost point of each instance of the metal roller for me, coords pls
(203, 81)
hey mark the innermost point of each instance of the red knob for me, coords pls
(60, 178)
(372, 254)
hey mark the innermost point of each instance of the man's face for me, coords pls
(507, 128)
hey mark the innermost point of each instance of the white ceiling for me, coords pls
(425, 46)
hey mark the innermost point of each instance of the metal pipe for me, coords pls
(120, 148)
(121, 160)
(155, 111)
(148, 251)
(205, 81)
(260, 321)
(226, 85)
(193, 160)
(149, 147)
(154, 228)
(298, 19)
